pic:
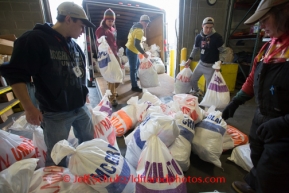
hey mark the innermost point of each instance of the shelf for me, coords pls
(8, 105)
(8, 123)
(5, 89)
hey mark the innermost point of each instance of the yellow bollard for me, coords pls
(172, 63)
(183, 56)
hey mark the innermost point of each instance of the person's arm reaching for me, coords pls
(139, 48)
(192, 55)
(240, 98)
(33, 115)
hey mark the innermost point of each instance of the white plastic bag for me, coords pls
(167, 131)
(102, 165)
(154, 49)
(104, 105)
(241, 156)
(189, 105)
(143, 109)
(14, 148)
(108, 65)
(181, 148)
(159, 65)
(40, 146)
(183, 80)
(158, 170)
(147, 96)
(52, 179)
(148, 75)
(124, 120)
(217, 93)
(38, 138)
(208, 139)
(17, 177)
(103, 128)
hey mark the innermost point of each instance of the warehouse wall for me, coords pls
(192, 13)
(18, 16)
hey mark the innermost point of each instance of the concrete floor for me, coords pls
(199, 168)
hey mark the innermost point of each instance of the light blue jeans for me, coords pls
(133, 65)
(56, 127)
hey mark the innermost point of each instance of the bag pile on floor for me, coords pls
(159, 146)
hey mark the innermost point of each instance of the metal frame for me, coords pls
(228, 29)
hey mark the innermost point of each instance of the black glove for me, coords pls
(274, 129)
(230, 110)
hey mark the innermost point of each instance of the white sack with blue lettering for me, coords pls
(157, 170)
(109, 67)
(167, 132)
(181, 148)
(208, 139)
(217, 93)
(101, 165)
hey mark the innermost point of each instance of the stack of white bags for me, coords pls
(158, 149)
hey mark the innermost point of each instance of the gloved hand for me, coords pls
(230, 110)
(273, 130)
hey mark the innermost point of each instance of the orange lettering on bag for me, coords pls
(97, 131)
(183, 78)
(145, 65)
(116, 124)
(37, 152)
(127, 120)
(17, 155)
(6, 163)
(106, 123)
(44, 154)
(52, 179)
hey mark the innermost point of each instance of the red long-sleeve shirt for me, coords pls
(110, 34)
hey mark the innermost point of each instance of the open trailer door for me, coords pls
(127, 13)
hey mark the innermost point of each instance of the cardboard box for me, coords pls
(6, 97)
(9, 112)
(10, 37)
(3, 118)
(6, 43)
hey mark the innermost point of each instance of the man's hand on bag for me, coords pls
(188, 62)
(145, 55)
(274, 129)
(33, 116)
(230, 110)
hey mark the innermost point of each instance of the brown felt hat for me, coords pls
(262, 9)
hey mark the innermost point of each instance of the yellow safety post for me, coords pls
(172, 63)
(183, 56)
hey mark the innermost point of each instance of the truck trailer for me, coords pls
(127, 13)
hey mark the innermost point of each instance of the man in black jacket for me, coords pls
(57, 65)
(209, 42)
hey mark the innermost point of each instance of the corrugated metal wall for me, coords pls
(191, 15)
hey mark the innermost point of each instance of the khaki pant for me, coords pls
(112, 87)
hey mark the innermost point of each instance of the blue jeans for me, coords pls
(56, 127)
(133, 65)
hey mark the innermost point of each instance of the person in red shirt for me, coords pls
(268, 83)
(106, 29)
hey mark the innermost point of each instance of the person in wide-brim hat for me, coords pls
(268, 83)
